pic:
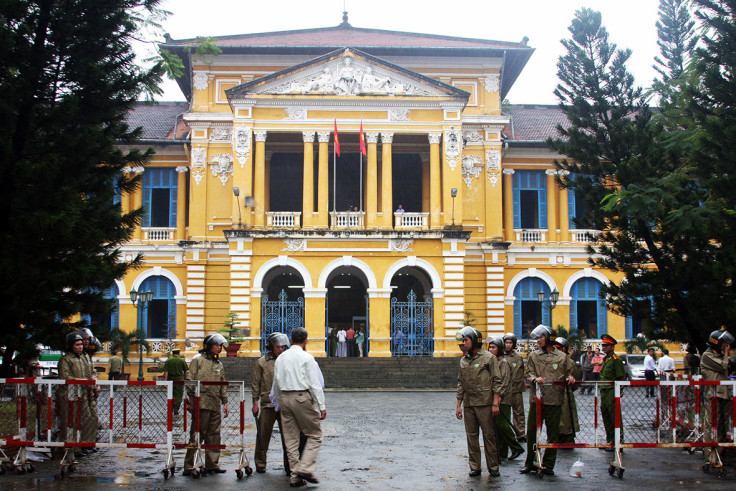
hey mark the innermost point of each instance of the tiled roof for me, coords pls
(346, 35)
(531, 123)
(159, 120)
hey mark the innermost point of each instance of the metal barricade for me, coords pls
(686, 414)
(581, 424)
(231, 433)
(81, 415)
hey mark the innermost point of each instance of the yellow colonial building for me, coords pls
(450, 213)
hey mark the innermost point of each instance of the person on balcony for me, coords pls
(400, 209)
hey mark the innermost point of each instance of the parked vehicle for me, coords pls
(634, 366)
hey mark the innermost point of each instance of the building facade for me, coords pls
(438, 208)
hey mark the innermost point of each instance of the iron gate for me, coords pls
(280, 316)
(412, 332)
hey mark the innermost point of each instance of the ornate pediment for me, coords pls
(347, 73)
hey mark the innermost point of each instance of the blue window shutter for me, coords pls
(629, 334)
(516, 198)
(602, 317)
(517, 316)
(574, 307)
(571, 208)
(147, 181)
(172, 207)
(542, 199)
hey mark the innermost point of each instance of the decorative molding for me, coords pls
(221, 134)
(308, 136)
(387, 137)
(493, 166)
(371, 137)
(452, 147)
(491, 82)
(472, 136)
(551, 172)
(180, 169)
(156, 346)
(434, 137)
(509, 172)
(398, 114)
(400, 245)
(223, 166)
(201, 80)
(295, 245)
(472, 165)
(324, 136)
(199, 163)
(260, 135)
(296, 113)
(241, 145)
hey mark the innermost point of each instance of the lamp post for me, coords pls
(453, 193)
(236, 192)
(553, 298)
(140, 300)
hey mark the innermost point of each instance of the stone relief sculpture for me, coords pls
(199, 163)
(293, 245)
(452, 147)
(222, 167)
(472, 165)
(400, 245)
(493, 165)
(296, 113)
(201, 80)
(221, 133)
(398, 114)
(491, 82)
(347, 80)
(241, 145)
(472, 136)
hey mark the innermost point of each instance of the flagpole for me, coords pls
(334, 181)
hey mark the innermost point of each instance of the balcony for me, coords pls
(283, 219)
(584, 235)
(347, 219)
(158, 234)
(406, 220)
(531, 235)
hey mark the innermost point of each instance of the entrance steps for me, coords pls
(368, 373)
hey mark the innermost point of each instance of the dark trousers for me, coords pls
(650, 376)
(551, 418)
(352, 348)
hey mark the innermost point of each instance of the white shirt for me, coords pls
(649, 363)
(295, 370)
(666, 364)
(341, 336)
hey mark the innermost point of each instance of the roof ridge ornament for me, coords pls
(345, 22)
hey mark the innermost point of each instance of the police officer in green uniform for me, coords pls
(518, 386)
(545, 365)
(714, 366)
(478, 399)
(175, 368)
(506, 437)
(612, 369)
(569, 424)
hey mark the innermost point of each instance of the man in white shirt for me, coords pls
(296, 388)
(665, 364)
(650, 371)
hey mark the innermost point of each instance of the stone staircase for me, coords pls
(369, 373)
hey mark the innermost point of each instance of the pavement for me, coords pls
(381, 440)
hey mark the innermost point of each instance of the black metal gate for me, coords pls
(280, 316)
(412, 331)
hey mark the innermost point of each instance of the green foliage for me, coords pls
(660, 188)
(68, 78)
(640, 344)
(574, 337)
(469, 319)
(231, 332)
(123, 341)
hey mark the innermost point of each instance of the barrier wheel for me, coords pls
(540, 473)
(195, 474)
(20, 470)
(248, 470)
(722, 472)
(166, 474)
(691, 450)
(203, 471)
(31, 468)
(71, 468)
(611, 469)
(621, 473)
(239, 473)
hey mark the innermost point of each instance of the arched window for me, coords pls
(588, 312)
(528, 311)
(159, 319)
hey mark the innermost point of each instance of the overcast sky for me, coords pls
(630, 24)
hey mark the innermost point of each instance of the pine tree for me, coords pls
(640, 189)
(67, 80)
(677, 39)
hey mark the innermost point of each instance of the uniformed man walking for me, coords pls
(116, 364)
(478, 399)
(296, 390)
(714, 366)
(208, 368)
(175, 369)
(75, 365)
(262, 381)
(612, 369)
(545, 365)
(518, 386)
(506, 436)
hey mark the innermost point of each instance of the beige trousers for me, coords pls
(298, 415)
(517, 406)
(480, 417)
(209, 434)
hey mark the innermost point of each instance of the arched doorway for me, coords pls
(412, 326)
(347, 306)
(282, 303)
(159, 319)
(588, 312)
(528, 311)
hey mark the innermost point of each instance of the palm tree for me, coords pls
(641, 343)
(574, 337)
(124, 340)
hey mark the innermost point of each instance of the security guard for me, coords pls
(612, 369)
(714, 366)
(569, 425)
(506, 437)
(479, 390)
(175, 368)
(518, 386)
(76, 365)
(262, 381)
(208, 368)
(545, 365)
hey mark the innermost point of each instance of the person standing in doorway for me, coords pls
(175, 369)
(350, 338)
(518, 385)
(342, 350)
(208, 368)
(360, 340)
(296, 389)
(478, 399)
(262, 381)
